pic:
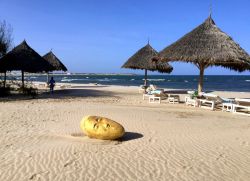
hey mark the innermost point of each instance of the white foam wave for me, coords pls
(71, 80)
(106, 80)
(155, 80)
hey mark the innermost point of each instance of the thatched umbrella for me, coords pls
(24, 58)
(207, 46)
(144, 60)
(54, 62)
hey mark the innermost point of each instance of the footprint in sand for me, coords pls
(221, 156)
(244, 143)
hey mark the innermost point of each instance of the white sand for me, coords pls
(41, 140)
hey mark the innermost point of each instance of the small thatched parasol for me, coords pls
(55, 62)
(24, 58)
(207, 46)
(144, 60)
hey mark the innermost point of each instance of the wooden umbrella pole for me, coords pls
(145, 77)
(22, 79)
(47, 77)
(4, 81)
(200, 85)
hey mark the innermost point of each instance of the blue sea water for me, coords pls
(211, 82)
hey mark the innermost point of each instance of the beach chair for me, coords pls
(157, 96)
(152, 94)
(191, 99)
(173, 98)
(211, 101)
(241, 106)
(153, 88)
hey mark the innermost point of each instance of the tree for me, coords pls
(5, 41)
(5, 38)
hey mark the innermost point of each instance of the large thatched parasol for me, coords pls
(24, 58)
(144, 60)
(207, 46)
(54, 62)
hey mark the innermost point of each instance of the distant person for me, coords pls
(52, 85)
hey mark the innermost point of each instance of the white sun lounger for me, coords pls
(242, 106)
(154, 88)
(171, 98)
(211, 101)
(191, 99)
(191, 102)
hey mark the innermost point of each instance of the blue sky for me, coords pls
(100, 35)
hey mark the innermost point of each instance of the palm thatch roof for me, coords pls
(207, 45)
(54, 61)
(144, 59)
(24, 58)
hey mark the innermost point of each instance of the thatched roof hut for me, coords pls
(24, 58)
(144, 59)
(54, 61)
(207, 46)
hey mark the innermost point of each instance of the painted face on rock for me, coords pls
(101, 128)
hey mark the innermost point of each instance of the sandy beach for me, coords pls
(41, 139)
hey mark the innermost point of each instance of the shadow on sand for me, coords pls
(76, 93)
(130, 136)
(126, 137)
(61, 94)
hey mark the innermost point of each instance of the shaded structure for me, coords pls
(207, 46)
(144, 59)
(54, 62)
(25, 59)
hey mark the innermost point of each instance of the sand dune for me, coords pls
(41, 140)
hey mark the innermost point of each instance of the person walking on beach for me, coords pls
(52, 85)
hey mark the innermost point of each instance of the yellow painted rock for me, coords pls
(101, 128)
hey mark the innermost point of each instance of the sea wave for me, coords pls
(106, 80)
(71, 80)
(155, 80)
(247, 80)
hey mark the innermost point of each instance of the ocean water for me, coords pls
(211, 82)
